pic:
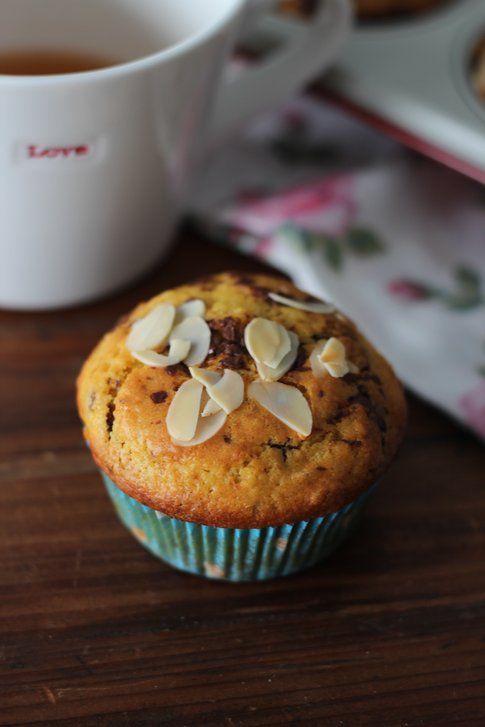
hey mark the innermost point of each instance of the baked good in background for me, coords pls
(377, 8)
(368, 8)
(298, 7)
(478, 70)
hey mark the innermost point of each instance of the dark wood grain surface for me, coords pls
(95, 631)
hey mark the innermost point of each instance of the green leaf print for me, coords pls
(328, 247)
(467, 294)
(332, 253)
(363, 242)
(467, 278)
(358, 241)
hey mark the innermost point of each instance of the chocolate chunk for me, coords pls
(300, 360)
(158, 397)
(233, 362)
(227, 341)
(364, 400)
(110, 416)
(229, 329)
(230, 349)
(180, 368)
(227, 439)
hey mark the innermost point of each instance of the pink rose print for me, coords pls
(472, 405)
(407, 290)
(325, 207)
(322, 217)
(465, 293)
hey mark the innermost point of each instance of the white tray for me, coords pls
(410, 78)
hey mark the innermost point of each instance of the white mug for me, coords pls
(94, 166)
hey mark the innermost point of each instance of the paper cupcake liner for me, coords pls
(235, 554)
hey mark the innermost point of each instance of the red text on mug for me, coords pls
(36, 151)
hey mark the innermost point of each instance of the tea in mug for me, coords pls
(49, 63)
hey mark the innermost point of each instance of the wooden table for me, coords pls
(95, 631)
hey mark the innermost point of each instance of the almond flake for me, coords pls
(206, 429)
(329, 357)
(196, 331)
(333, 351)
(337, 370)
(286, 403)
(205, 376)
(178, 351)
(190, 309)
(210, 408)
(267, 341)
(228, 393)
(153, 330)
(266, 373)
(310, 306)
(183, 413)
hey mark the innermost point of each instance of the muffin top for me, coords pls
(284, 413)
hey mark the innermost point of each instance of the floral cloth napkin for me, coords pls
(396, 241)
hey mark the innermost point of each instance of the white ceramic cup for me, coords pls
(94, 166)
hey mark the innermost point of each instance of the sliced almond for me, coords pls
(205, 376)
(286, 403)
(183, 413)
(267, 341)
(333, 351)
(228, 393)
(319, 370)
(211, 408)
(196, 331)
(353, 368)
(337, 370)
(178, 351)
(153, 330)
(329, 357)
(310, 306)
(269, 374)
(190, 309)
(206, 429)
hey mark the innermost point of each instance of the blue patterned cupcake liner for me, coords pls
(235, 554)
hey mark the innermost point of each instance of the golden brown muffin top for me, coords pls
(376, 8)
(255, 471)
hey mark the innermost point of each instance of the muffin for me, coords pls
(298, 7)
(379, 8)
(239, 424)
(478, 69)
(367, 8)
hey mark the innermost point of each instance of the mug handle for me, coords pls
(306, 49)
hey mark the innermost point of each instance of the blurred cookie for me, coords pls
(478, 70)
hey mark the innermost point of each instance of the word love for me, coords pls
(35, 151)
